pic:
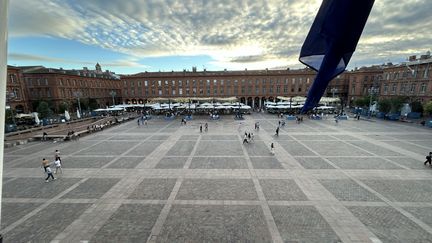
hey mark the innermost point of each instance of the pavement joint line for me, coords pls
(192, 154)
(41, 207)
(386, 159)
(424, 226)
(157, 227)
(271, 224)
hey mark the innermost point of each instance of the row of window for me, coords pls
(208, 91)
(404, 88)
(409, 72)
(208, 82)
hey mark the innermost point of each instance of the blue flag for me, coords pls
(331, 42)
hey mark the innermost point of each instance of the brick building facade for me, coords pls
(30, 84)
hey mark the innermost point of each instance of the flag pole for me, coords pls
(3, 80)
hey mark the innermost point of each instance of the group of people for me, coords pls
(46, 164)
(248, 138)
(142, 120)
(205, 127)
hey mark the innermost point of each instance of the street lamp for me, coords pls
(372, 91)
(113, 94)
(334, 90)
(78, 94)
(9, 97)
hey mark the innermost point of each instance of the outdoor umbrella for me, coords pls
(331, 42)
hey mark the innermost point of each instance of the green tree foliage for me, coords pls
(9, 116)
(44, 110)
(397, 103)
(64, 106)
(416, 106)
(384, 105)
(93, 104)
(428, 108)
(362, 102)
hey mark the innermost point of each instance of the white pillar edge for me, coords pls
(3, 78)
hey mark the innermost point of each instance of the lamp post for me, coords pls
(334, 90)
(113, 94)
(372, 91)
(78, 94)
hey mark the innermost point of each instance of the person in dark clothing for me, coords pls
(428, 159)
(277, 131)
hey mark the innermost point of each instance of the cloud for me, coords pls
(130, 62)
(243, 33)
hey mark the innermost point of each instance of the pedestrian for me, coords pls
(49, 174)
(57, 164)
(200, 127)
(44, 136)
(45, 164)
(245, 139)
(138, 122)
(249, 136)
(272, 148)
(57, 154)
(252, 137)
(256, 126)
(145, 122)
(428, 159)
(277, 131)
(206, 127)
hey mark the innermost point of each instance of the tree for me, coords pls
(64, 106)
(384, 105)
(428, 108)
(416, 106)
(9, 116)
(397, 103)
(93, 104)
(44, 110)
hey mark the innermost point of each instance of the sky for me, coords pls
(162, 35)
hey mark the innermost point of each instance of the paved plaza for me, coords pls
(356, 181)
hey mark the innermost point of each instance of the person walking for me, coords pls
(206, 127)
(57, 164)
(45, 164)
(277, 132)
(200, 127)
(49, 174)
(138, 122)
(272, 148)
(245, 139)
(428, 159)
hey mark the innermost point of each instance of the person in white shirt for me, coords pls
(58, 166)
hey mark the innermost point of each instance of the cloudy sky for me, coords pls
(151, 35)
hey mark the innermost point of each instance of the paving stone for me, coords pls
(422, 213)
(36, 187)
(12, 212)
(171, 163)
(126, 163)
(302, 224)
(314, 163)
(257, 148)
(86, 162)
(389, 225)
(46, 224)
(409, 162)
(217, 189)
(159, 137)
(109, 148)
(364, 163)
(409, 147)
(335, 148)
(266, 163)
(189, 137)
(218, 163)
(145, 149)
(193, 223)
(295, 148)
(348, 190)
(373, 148)
(181, 148)
(219, 137)
(130, 137)
(151, 189)
(217, 148)
(282, 190)
(130, 223)
(403, 190)
(92, 188)
(313, 137)
(29, 162)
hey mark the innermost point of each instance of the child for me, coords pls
(49, 173)
(58, 166)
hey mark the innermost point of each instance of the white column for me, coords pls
(253, 103)
(3, 75)
(260, 100)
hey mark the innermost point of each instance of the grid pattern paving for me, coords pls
(357, 181)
